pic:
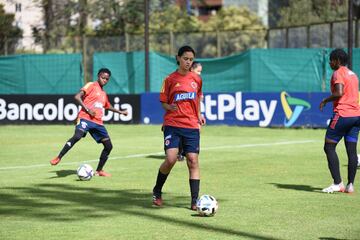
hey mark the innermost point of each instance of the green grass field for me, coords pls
(267, 181)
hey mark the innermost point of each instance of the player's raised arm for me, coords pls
(123, 112)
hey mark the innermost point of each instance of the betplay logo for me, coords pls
(298, 105)
(244, 109)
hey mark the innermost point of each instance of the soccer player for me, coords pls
(196, 67)
(93, 99)
(180, 97)
(345, 121)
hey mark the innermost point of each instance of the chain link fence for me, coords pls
(206, 44)
(327, 35)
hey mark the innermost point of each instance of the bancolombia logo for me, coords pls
(50, 111)
(292, 115)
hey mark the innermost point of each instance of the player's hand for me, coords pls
(91, 112)
(202, 120)
(322, 104)
(172, 107)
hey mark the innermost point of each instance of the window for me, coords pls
(17, 7)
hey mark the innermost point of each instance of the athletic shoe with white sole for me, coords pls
(349, 188)
(334, 188)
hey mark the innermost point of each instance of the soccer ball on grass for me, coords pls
(85, 172)
(206, 205)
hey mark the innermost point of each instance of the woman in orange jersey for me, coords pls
(180, 97)
(93, 100)
(345, 122)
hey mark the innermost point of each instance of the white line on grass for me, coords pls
(161, 153)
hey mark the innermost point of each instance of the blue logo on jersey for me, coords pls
(185, 96)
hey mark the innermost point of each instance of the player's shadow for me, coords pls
(331, 238)
(161, 157)
(63, 173)
(70, 203)
(298, 187)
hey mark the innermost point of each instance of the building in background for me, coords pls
(27, 14)
(260, 7)
(205, 8)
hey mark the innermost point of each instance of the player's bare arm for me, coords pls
(339, 92)
(201, 117)
(123, 112)
(78, 97)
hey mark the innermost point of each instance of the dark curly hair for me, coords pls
(341, 55)
(104, 70)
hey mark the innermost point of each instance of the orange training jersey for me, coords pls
(348, 104)
(96, 99)
(184, 91)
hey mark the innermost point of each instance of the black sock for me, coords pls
(352, 160)
(103, 158)
(160, 181)
(104, 154)
(333, 161)
(68, 145)
(194, 189)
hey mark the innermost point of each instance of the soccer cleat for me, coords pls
(334, 188)
(157, 201)
(102, 173)
(193, 207)
(349, 188)
(55, 161)
(180, 157)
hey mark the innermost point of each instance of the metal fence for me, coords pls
(326, 35)
(206, 44)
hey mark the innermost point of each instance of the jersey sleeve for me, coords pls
(164, 91)
(339, 77)
(87, 88)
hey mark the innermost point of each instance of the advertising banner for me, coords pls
(48, 109)
(281, 109)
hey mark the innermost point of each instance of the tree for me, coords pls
(116, 18)
(173, 19)
(239, 29)
(8, 32)
(304, 12)
(171, 27)
(61, 19)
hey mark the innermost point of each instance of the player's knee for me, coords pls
(78, 135)
(108, 145)
(329, 147)
(171, 160)
(193, 162)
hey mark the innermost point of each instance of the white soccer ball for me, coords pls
(207, 205)
(85, 172)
